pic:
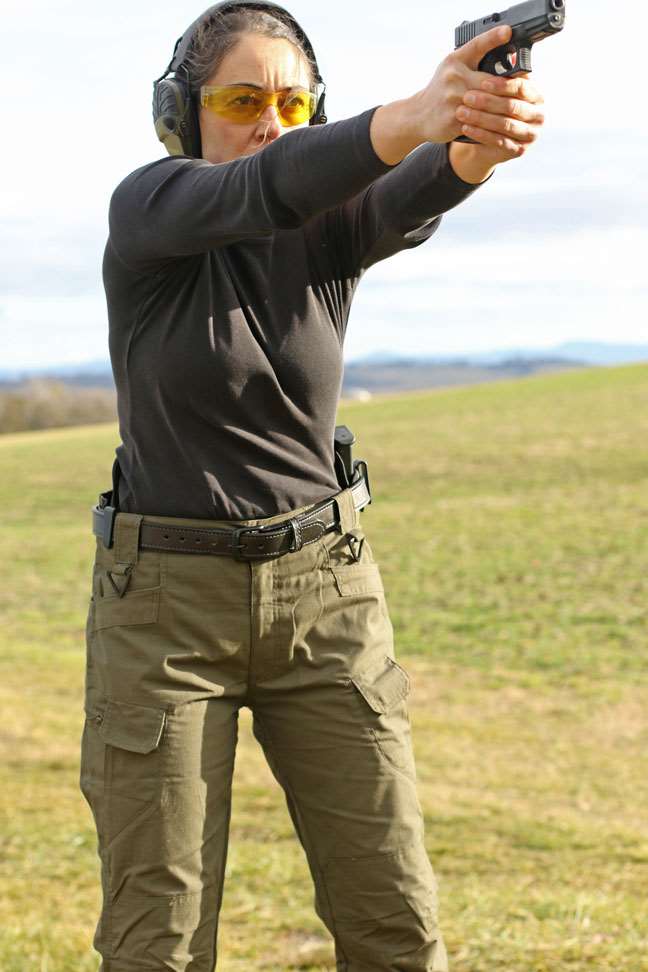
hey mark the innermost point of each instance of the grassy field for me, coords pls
(511, 525)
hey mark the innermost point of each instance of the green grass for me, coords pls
(511, 525)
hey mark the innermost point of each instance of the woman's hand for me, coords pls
(504, 121)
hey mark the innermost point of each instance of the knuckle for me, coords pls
(513, 107)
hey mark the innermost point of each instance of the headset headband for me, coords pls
(183, 44)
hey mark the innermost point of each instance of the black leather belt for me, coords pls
(242, 543)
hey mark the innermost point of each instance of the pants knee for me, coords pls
(385, 907)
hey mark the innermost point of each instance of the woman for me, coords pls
(229, 274)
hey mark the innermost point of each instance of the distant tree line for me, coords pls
(45, 403)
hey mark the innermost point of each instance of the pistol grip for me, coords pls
(499, 62)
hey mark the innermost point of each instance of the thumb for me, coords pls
(472, 53)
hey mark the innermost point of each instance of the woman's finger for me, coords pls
(472, 53)
(515, 87)
(491, 139)
(497, 125)
(511, 107)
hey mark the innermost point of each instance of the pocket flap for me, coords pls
(137, 728)
(357, 578)
(384, 687)
(135, 607)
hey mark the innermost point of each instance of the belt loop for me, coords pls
(349, 516)
(297, 539)
(126, 547)
(126, 534)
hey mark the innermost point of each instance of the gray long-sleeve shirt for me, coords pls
(229, 288)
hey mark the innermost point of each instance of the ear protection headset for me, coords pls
(175, 110)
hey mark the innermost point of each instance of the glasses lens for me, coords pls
(235, 102)
(297, 107)
(244, 104)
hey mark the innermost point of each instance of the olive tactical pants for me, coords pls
(305, 641)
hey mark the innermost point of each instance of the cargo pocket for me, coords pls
(120, 764)
(381, 693)
(135, 607)
(354, 579)
(140, 603)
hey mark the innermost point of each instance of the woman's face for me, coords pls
(271, 62)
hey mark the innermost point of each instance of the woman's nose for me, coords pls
(270, 121)
(270, 113)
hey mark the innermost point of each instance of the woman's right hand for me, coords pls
(435, 106)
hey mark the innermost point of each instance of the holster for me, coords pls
(347, 469)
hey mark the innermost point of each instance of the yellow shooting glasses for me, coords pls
(244, 103)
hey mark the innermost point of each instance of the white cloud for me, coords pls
(611, 260)
(43, 331)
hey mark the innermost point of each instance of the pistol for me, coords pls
(531, 22)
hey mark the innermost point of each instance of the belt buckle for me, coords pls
(236, 545)
(296, 542)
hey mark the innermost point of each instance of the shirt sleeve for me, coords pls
(179, 206)
(399, 210)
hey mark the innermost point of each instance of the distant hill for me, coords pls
(385, 371)
(370, 377)
(411, 375)
(582, 352)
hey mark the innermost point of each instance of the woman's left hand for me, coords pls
(505, 121)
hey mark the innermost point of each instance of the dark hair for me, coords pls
(219, 34)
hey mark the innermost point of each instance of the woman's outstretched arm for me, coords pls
(435, 173)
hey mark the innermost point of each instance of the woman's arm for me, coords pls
(399, 211)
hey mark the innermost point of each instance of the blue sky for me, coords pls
(552, 249)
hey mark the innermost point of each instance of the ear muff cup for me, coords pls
(176, 124)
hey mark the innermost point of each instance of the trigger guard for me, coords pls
(497, 62)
